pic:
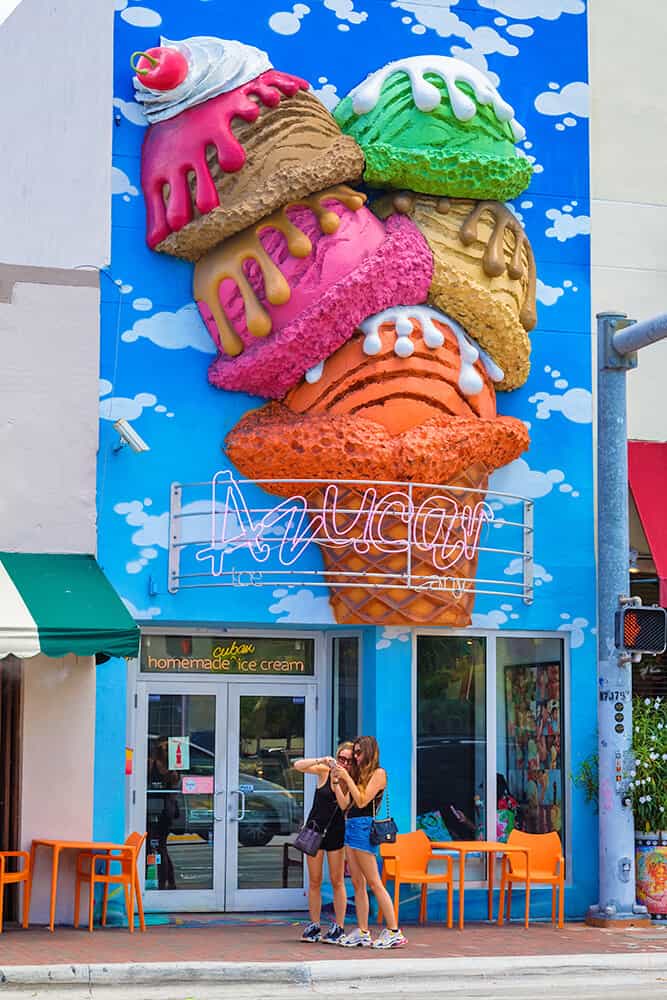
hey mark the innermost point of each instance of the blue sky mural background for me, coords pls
(156, 351)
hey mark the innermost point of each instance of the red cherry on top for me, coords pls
(160, 68)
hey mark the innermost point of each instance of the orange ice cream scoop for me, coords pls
(409, 398)
(403, 367)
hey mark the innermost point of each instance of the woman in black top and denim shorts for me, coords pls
(326, 814)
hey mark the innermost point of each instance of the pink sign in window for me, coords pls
(197, 785)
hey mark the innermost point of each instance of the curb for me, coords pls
(315, 973)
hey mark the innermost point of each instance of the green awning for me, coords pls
(59, 604)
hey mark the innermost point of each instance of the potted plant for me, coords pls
(647, 787)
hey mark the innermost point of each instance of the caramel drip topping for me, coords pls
(494, 261)
(226, 261)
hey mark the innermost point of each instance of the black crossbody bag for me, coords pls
(383, 831)
(309, 838)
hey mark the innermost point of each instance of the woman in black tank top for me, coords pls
(328, 817)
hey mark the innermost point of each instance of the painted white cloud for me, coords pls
(392, 633)
(173, 330)
(492, 619)
(326, 93)
(131, 111)
(345, 11)
(526, 10)
(540, 574)
(519, 479)
(576, 629)
(567, 225)
(302, 606)
(285, 22)
(548, 295)
(573, 99)
(141, 17)
(575, 405)
(121, 184)
(140, 614)
(441, 19)
(115, 407)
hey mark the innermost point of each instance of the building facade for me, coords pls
(418, 560)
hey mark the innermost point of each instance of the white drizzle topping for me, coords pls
(427, 96)
(415, 319)
(215, 66)
(314, 374)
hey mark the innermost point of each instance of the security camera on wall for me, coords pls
(128, 435)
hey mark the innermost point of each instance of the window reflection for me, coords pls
(451, 737)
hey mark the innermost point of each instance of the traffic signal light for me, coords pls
(641, 630)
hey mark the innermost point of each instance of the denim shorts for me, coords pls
(358, 834)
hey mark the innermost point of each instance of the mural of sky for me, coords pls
(156, 349)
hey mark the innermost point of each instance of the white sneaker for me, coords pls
(390, 939)
(357, 939)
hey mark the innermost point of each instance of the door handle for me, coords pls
(217, 819)
(241, 795)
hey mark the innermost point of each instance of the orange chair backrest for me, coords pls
(412, 849)
(545, 850)
(135, 840)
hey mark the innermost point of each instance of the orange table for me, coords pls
(490, 847)
(57, 846)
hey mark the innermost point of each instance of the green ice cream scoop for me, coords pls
(436, 125)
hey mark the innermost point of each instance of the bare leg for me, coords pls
(336, 862)
(369, 868)
(360, 888)
(315, 885)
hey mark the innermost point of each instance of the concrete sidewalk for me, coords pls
(268, 949)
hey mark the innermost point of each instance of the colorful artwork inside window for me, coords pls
(530, 735)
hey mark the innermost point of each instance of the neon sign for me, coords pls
(437, 526)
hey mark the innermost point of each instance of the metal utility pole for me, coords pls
(618, 340)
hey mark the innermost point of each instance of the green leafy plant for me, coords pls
(587, 778)
(647, 783)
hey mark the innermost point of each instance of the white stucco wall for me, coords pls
(628, 187)
(48, 418)
(55, 123)
(57, 769)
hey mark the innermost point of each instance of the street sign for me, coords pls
(641, 629)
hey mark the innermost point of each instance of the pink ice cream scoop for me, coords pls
(285, 293)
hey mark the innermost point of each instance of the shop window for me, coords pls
(529, 717)
(345, 689)
(451, 737)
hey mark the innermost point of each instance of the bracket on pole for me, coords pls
(611, 359)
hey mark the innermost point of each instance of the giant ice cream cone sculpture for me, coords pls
(313, 299)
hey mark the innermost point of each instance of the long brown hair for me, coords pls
(362, 771)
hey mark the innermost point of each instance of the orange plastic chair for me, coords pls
(12, 878)
(407, 861)
(128, 877)
(547, 867)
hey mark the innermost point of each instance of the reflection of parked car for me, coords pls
(271, 809)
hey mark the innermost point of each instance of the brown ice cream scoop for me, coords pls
(484, 272)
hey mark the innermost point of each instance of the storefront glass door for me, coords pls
(221, 801)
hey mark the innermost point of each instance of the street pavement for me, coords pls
(554, 984)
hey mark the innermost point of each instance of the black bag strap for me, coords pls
(385, 793)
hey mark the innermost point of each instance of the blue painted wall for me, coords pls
(155, 351)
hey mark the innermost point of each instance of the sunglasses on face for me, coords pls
(344, 759)
(358, 753)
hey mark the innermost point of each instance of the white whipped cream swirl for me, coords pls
(215, 66)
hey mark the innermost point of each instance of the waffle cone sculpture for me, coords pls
(408, 399)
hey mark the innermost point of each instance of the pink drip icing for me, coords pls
(175, 147)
